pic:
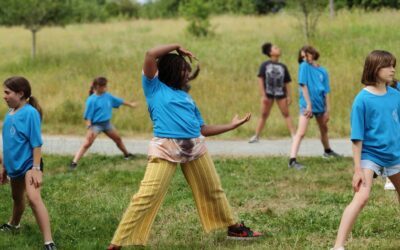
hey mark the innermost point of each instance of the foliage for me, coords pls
(197, 12)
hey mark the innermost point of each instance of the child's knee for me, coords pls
(362, 200)
(34, 200)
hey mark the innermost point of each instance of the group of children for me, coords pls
(179, 132)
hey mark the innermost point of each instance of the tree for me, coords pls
(310, 12)
(34, 15)
(197, 12)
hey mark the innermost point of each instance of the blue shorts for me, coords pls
(101, 127)
(316, 114)
(378, 170)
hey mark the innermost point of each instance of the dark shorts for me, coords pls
(101, 127)
(22, 177)
(276, 97)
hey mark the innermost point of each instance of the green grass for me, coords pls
(298, 210)
(69, 58)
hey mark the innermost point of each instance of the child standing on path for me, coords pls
(98, 113)
(314, 101)
(273, 79)
(178, 129)
(375, 135)
(22, 141)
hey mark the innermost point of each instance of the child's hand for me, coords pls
(358, 180)
(133, 104)
(3, 176)
(184, 52)
(288, 100)
(236, 122)
(308, 111)
(35, 177)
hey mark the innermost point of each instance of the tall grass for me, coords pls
(69, 58)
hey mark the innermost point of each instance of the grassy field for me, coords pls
(297, 210)
(68, 58)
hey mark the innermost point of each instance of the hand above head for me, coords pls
(184, 52)
(236, 121)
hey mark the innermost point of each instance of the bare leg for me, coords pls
(38, 207)
(17, 190)
(266, 105)
(284, 107)
(351, 212)
(323, 128)
(301, 131)
(117, 139)
(395, 179)
(90, 137)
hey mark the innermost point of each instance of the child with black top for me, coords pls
(273, 79)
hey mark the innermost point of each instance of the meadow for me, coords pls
(295, 209)
(69, 58)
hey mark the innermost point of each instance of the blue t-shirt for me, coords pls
(317, 81)
(173, 112)
(375, 121)
(21, 133)
(99, 107)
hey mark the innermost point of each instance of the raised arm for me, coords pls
(210, 130)
(150, 60)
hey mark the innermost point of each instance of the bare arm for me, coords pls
(261, 86)
(36, 177)
(3, 173)
(150, 60)
(88, 123)
(308, 112)
(358, 177)
(130, 104)
(210, 130)
(327, 103)
(288, 93)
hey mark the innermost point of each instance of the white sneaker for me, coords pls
(389, 185)
(338, 248)
(254, 139)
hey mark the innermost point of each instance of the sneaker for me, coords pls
(241, 232)
(389, 185)
(338, 248)
(254, 139)
(113, 247)
(295, 165)
(73, 166)
(50, 246)
(9, 228)
(331, 154)
(128, 156)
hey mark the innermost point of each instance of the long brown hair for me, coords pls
(375, 61)
(21, 84)
(98, 81)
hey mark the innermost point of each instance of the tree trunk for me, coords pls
(34, 31)
(332, 8)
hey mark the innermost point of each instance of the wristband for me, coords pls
(36, 167)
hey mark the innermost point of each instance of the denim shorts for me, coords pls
(378, 170)
(316, 114)
(101, 127)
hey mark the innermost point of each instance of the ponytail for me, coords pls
(91, 90)
(34, 103)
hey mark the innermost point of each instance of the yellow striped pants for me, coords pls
(211, 201)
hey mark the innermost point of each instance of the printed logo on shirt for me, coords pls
(12, 131)
(395, 115)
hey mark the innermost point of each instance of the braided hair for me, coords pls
(171, 70)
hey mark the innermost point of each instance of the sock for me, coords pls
(292, 160)
(328, 150)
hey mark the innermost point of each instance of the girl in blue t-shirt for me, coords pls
(375, 135)
(22, 141)
(313, 101)
(98, 113)
(178, 139)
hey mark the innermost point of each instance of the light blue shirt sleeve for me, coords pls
(327, 82)
(198, 116)
(358, 120)
(33, 130)
(89, 110)
(303, 79)
(150, 86)
(116, 102)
